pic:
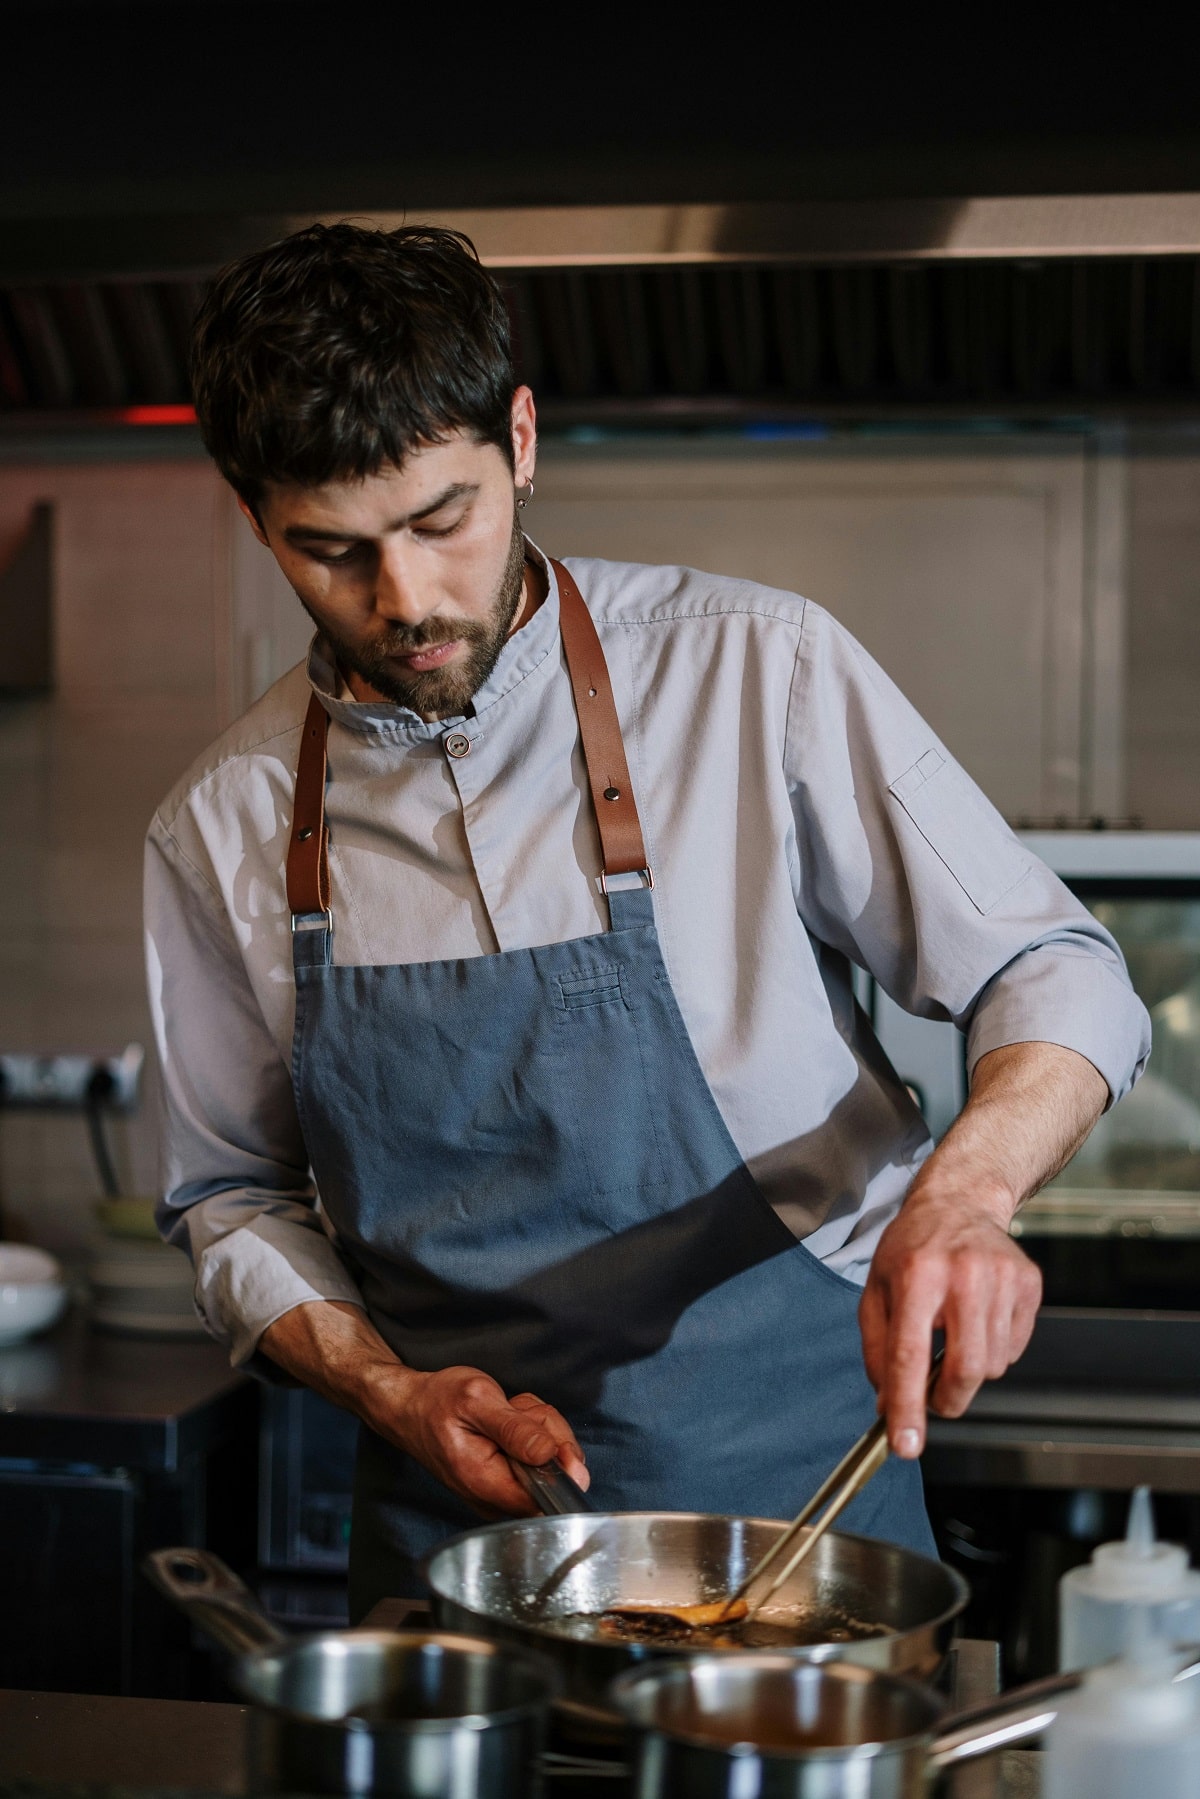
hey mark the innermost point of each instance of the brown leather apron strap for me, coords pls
(603, 746)
(308, 851)
(616, 810)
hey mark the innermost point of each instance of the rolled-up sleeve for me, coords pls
(905, 866)
(236, 1192)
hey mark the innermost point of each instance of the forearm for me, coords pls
(334, 1348)
(456, 1421)
(1031, 1106)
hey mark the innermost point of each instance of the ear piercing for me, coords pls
(523, 499)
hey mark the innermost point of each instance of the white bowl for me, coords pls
(33, 1294)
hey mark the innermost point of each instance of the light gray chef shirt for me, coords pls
(799, 816)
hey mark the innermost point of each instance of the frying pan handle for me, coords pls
(1018, 1716)
(551, 1490)
(213, 1597)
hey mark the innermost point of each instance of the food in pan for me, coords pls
(703, 1626)
(701, 1616)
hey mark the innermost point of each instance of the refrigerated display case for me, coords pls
(1121, 1225)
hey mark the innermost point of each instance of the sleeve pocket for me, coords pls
(962, 829)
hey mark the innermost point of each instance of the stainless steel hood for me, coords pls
(177, 245)
(1032, 305)
(1063, 225)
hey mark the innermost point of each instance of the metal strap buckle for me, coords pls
(311, 921)
(648, 872)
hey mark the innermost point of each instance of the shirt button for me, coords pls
(457, 744)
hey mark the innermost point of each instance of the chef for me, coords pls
(516, 1096)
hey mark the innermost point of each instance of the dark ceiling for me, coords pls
(118, 106)
(143, 142)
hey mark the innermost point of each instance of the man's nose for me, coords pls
(400, 593)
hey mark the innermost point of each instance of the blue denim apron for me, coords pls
(527, 1173)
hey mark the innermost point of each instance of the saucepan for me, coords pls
(546, 1583)
(413, 1714)
(773, 1727)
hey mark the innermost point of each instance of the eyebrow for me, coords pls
(458, 490)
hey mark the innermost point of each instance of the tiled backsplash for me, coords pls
(139, 590)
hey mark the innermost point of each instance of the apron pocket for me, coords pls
(594, 987)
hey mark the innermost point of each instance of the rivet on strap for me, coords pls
(308, 851)
(617, 819)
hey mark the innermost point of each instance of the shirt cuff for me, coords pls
(253, 1275)
(1072, 998)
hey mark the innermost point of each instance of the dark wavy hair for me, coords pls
(340, 349)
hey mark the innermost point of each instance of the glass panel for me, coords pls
(1139, 1172)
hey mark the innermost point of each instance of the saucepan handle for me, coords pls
(551, 1490)
(1019, 1716)
(213, 1597)
(1011, 1718)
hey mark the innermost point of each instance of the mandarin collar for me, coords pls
(521, 654)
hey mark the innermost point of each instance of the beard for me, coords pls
(438, 692)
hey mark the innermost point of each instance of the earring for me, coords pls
(524, 498)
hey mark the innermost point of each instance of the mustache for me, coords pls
(405, 640)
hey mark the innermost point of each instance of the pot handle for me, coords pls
(1010, 1718)
(213, 1597)
(1019, 1716)
(551, 1490)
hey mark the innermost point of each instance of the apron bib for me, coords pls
(527, 1173)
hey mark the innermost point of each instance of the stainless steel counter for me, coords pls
(1100, 1399)
(82, 1395)
(1035, 1452)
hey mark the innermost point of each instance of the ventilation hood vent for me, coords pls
(1023, 306)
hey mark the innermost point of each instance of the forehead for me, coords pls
(373, 502)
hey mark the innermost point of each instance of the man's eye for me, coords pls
(438, 530)
(336, 557)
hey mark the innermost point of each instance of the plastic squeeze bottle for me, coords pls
(1130, 1732)
(1131, 1591)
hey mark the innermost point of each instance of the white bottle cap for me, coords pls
(1138, 1567)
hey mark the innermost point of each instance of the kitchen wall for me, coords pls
(1163, 693)
(999, 580)
(964, 567)
(139, 561)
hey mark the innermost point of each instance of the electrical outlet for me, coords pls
(72, 1083)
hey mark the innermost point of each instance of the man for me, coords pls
(518, 927)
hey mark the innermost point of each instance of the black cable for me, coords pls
(98, 1090)
(3, 1095)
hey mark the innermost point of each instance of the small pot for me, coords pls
(768, 1726)
(411, 1714)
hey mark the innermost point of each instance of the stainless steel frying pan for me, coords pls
(544, 1581)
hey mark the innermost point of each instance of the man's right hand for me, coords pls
(456, 1422)
(459, 1424)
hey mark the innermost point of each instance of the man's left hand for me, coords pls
(947, 1262)
(943, 1264)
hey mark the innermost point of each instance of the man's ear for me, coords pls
(524, 435)
(252, 519)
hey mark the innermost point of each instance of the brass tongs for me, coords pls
(848, 1479)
